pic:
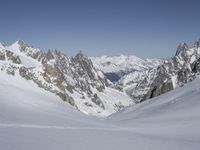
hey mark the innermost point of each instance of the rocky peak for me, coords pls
(21, 43)
(184, 53)
(50, 55)
(18, 46)
(59, 59)
(2, 46)
(85, 65)
(80, 56)
(197, 44)
(182, 48)
(177, 71)
(83, 61)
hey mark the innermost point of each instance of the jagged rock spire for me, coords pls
(182, 48)
(50, 55)
(80, 55)
(21, 42)
(197, 44)
(2, 46)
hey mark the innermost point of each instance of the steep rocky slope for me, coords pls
(177, 71)
(74, 79)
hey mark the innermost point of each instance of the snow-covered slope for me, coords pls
(74, 79)
(28, 55)
(33, 118)
(23, 102)
(172, 119)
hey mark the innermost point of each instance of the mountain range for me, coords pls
(143, 79)
(100, 86)
(34, 118)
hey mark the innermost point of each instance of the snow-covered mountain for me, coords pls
(33, 118)
(73, 79)
(83, 83)
(184, 67)
(123, 64)
(144, 79)
(129, 73)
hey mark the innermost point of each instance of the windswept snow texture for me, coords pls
(34, 119)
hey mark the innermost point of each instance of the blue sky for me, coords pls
(146, 28)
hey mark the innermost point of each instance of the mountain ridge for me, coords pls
(140, 82)
(86, 82)
(74, 79)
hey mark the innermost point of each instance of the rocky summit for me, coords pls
(177, 71)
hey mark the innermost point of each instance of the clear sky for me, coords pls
(146, 28)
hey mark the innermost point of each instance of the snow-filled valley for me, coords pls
(100, 75)
(34, 119)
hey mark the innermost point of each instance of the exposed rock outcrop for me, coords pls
(73, 79)
(177, 71)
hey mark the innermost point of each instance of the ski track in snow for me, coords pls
(35, 126)
(56, 127)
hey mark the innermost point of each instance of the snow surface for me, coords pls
(34, 119)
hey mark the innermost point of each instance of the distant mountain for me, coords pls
(129, 73)
(73, 79)
(143, 79)
(123, 64)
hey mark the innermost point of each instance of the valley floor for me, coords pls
(33, 119)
